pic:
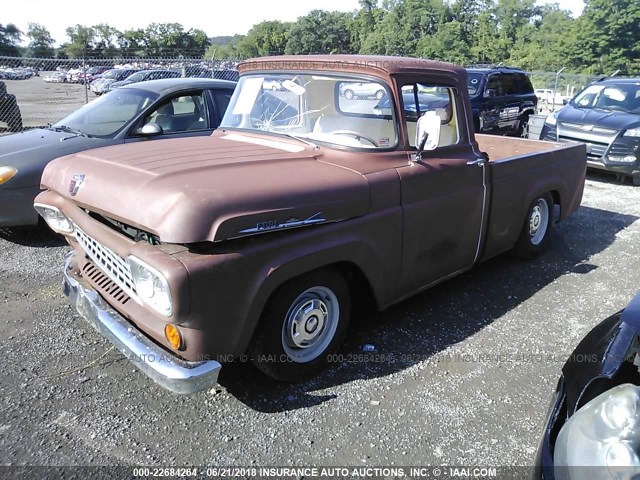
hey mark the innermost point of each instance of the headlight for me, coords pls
(551, 119)
(152, 287)
(6, 174)
(603, 435)
(632, 132)
(57, 220)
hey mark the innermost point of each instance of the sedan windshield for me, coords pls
(107, 115)
(623, 97)
(319, 108)
(136, 77)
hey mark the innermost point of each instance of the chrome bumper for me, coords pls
(163, 367)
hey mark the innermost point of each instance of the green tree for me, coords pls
(609, 37)
(105, 40)
(81, 41)
(40, 41)
(10, 36)
(265, 38)
(446, 44)
(320, 32)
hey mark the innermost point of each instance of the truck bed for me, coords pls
(503, 148)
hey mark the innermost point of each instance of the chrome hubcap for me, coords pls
(538, 221)
(310, 324)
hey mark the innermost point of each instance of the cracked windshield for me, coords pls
(345, 111)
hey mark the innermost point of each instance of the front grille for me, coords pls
(594, 150)
(112, 264)
(104, 283)
(620, 150)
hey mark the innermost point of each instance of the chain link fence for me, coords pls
(35, 92)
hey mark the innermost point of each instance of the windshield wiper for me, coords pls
(67, 129)
(300, 139)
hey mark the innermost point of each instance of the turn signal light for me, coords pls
(172, 334)
(6, 174)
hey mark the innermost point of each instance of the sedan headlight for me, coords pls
(603, 435)
(632, 132)
(6, 174)
(151, 286)
(57, 220)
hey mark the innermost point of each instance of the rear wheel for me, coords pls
(523, 129)
(536, 230)
(379, 94)
(636, 179)
(348, 94)
(303, 324)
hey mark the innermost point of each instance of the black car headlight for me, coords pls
(603, 435)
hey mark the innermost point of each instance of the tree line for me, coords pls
(603, 39)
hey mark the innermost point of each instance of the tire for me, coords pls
(636, 179)
(348, 94)
(536, 230)
(379, 94)
(304, 322)
(523, 128)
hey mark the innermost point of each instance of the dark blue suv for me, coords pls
(502, 99)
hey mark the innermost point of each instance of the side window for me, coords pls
(418, 98)
(494, 84)
(525, 84)
(222, 99)
(510, 84)
(180, 114)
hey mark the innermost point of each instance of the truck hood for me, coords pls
(610, 119)
(212, 188)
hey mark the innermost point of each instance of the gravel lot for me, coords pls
(42, 103)
(476, 360)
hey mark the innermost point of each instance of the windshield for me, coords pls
(136, 77)
(105, 116)
(623, 97)
(473, 83)
(317, 107)
(111, 74)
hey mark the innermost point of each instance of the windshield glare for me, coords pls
(106, 115)
(319, 107)
(620, 97)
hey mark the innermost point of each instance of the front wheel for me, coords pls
(536, 231)
(303, 324)
(523, 128)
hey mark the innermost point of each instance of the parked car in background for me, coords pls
(101, 85)
(361, 90)
(9, 110)
(502, 100)
(165, 108)
(606, 117)
(59, 76)
(544, 94)
(145, 75)
(592, 429)
(92, 73)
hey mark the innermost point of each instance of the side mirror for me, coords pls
(427, 133)
(489, 93)
(565, 101)
(150, 129)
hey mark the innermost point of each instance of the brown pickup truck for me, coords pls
(335, 183)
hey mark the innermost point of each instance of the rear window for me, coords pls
(525, 84)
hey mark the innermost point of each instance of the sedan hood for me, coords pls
(610, 119)
(30, 151)
(211, 188)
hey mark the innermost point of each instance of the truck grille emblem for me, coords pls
(76, 181)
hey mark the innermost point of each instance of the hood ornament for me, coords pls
(76, 181)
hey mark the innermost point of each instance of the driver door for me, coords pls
(443, 193)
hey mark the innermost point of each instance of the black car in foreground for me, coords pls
(144, 111)
(502, 100)
(9, 110)
(606, 117)
(592, 430)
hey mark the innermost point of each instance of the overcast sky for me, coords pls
(222, 17)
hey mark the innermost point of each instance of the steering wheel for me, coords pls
(356, 135)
